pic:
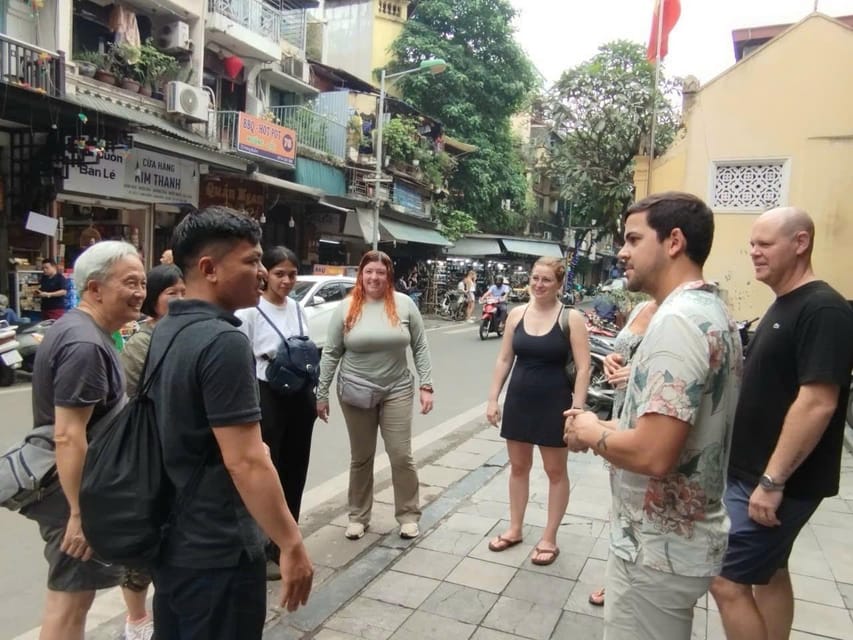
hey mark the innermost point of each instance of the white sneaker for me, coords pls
(143, 630)
(355, 530)
(409, 530)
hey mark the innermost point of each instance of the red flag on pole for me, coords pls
(666, 15)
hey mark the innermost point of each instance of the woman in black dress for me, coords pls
(539, 391)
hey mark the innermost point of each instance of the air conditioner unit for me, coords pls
(187, 100)
(174, 37)
(293, 67)
(546, 235)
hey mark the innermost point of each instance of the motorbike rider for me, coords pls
(500, 292)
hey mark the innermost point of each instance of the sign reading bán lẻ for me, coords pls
(138, 174)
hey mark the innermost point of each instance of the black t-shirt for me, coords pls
(76, 365)
(207, 380)
(805, 337)
(56, 282)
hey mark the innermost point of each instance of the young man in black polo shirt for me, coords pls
(211, 578)
(789, 427)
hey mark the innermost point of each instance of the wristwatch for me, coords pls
(767, 482)
(427, 387)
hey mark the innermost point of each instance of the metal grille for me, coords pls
(747, 185)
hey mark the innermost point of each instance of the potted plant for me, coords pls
(87, 62)
(106, 63)
(127, 60)
(157, 67)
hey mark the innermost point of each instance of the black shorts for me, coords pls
(64, 572)
(211, 604)
(755, 552)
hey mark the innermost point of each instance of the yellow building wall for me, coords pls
(386, 29)
(788, 101)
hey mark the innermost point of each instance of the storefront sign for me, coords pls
(242, 195)
(265, 139)
(137, 174)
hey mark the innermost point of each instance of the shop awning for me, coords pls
(402, 232)
(475, 247)
(189, 150)
(136, 116)
(532, 247)
(287, 185)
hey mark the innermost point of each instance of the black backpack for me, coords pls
(127, 502)
(296, 365)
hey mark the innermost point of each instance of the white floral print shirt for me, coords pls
(687, 367)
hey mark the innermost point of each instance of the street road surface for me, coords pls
(462, 371)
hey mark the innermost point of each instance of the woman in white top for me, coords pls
(287, 421)
(468, 286)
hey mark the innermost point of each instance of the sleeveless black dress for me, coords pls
(539, 389)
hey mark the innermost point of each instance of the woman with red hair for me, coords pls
(368, 336)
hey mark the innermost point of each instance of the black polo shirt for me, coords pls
(207, 380)
(49, 284)
(805, 337)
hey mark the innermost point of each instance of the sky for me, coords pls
(558, 34)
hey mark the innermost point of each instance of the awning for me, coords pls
(402, 232)
(475, 247)
(287, 82)
(104, 202)
(189, 150)
(532, 247)
(457, 145)
(286, 185)
(136, 116)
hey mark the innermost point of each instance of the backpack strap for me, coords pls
(149, 380)
(564, 323)
(276, 329)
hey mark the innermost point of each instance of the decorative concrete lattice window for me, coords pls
(751, 186)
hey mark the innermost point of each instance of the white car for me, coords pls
(318, 296)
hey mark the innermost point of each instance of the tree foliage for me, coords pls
(601, 112)
(487, 81)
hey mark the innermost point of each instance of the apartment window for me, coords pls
(749, 186)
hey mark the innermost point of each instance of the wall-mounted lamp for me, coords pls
(138, 172)
(263, 218)
(291, 223)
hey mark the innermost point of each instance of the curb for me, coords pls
(347, 583)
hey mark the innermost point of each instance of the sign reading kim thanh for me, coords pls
(139, 175)
(264, 139)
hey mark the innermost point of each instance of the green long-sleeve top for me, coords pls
(374, 349)
(132, 357)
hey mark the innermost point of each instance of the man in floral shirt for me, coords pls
(670, 448)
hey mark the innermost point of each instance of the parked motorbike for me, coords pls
(29, 338)
(10, 358)
(599, 396)
(744, 328)
(452, 305)
(489, 323)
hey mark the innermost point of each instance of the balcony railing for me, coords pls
(313, 130)
(257, 16)
(293, 22)
(31, 67)
(361, 182)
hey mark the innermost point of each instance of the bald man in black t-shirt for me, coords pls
(789, 427)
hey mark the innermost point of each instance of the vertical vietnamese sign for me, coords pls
(265, 139)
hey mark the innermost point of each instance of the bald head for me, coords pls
(781, 245)
(789, 221)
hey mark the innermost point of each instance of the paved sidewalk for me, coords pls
(448, 585)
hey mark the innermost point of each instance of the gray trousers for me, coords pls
(393, 419)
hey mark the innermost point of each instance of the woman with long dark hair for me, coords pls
(369, 333)
(287, 421)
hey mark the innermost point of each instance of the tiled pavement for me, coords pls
(447, 584)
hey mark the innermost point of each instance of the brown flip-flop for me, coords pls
(552, 553)
(502, 544)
